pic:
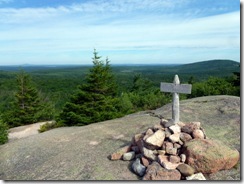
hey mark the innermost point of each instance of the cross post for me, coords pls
(176, 88)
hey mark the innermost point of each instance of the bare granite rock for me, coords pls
(209, 156)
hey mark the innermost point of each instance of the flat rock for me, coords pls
(209, 156)
(156, 139)
(119, 153)
(165, 162)
(156, 172)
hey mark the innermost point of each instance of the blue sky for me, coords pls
(127, 31)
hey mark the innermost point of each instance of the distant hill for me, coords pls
(212, 66)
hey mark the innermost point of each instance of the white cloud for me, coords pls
(5, 1)
(62, 33)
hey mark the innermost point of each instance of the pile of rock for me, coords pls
(169, 151)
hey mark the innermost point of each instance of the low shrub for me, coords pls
(3, 132)
(48, 126)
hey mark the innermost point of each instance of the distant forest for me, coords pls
(137, 86)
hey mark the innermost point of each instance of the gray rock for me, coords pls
(185, 170)
(129, 156)
(166, 123)
(138, 168)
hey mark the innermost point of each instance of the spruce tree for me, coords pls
(95, 100)
(25, 109)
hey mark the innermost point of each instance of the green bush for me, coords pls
(3, 132)
(48, 126)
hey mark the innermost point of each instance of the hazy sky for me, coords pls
(127, 31)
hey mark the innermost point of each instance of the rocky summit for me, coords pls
(169, 151)
(82, 153)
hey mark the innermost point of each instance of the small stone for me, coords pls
(174, 137)
(181, 142)
(183, 158)
(205, 136)
(171, 151)
(138, 168)
(177, 146)
(129, 156)
(140, 145)
(167, 145)
(190, 127)
(181, 124)
(139, 156)
(145, 161)
(137, 138)
(156, 139)
(119, 154)
(166, 123)
(198, 134)
(175, 129)
(198, 176)
(174, 159)
(157, 127)
(185, 170)
(149, 154)
(165, 162)
(135, 149)
(156, 172)
(167, 133)
(185, 137)
(149, 132)
(161, 152)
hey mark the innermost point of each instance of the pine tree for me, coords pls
(96, 99)
(25, 109)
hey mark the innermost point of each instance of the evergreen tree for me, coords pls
(27, 105)
(95, 100)
(3, 132)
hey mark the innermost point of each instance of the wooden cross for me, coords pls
(176, 88)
